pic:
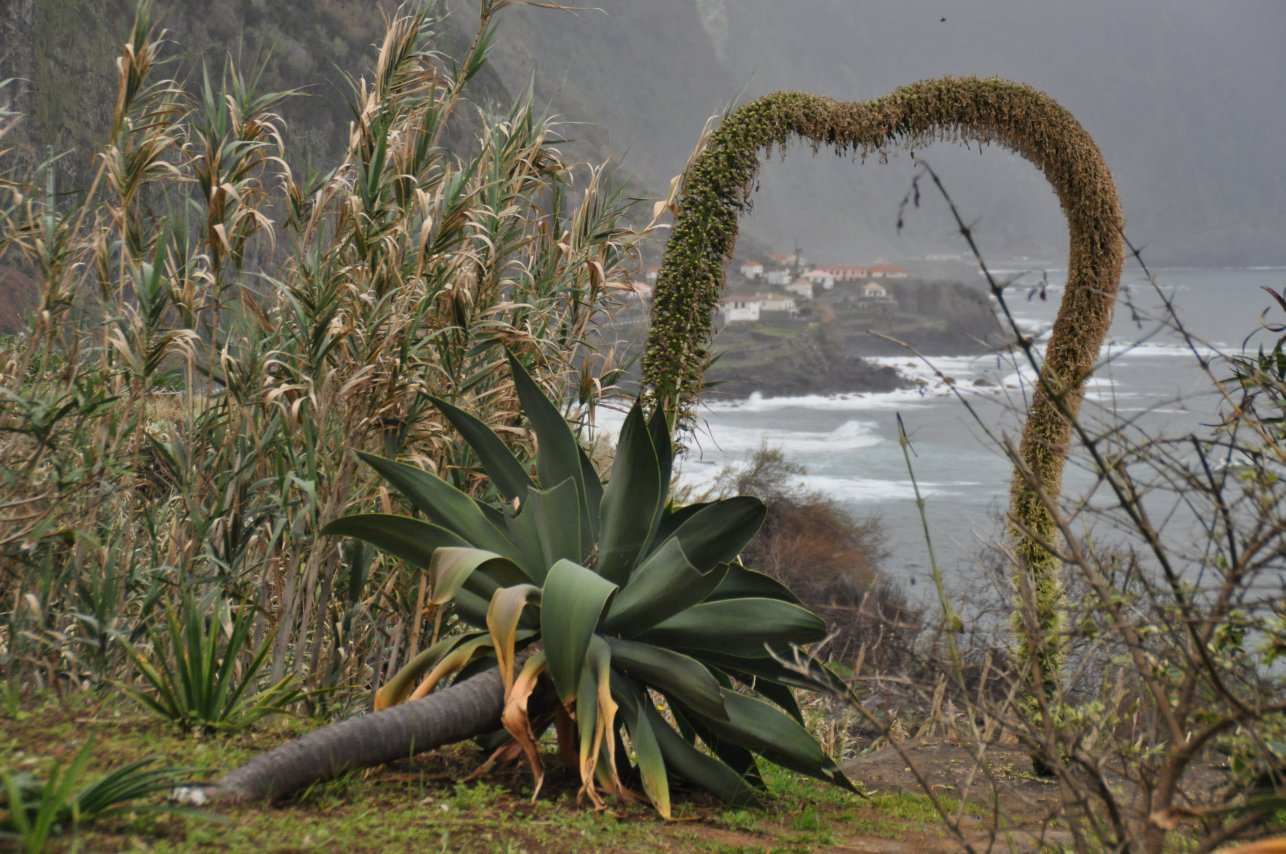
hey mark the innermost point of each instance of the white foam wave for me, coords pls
(865, 489)
(849, 436)
(852, 402)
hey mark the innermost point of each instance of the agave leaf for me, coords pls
(670, 520)
(573, 601)
(736, 757)
(630, 501)
(776, 736)
(691, 764)
(516, 721)
(497, 460)
(595, 714)
(660, 433)
(455, 661)
(503, 614)
(678, 676)
(742, 628)
(743, 583)
(769, 669)
(396, 689)
(452, 566)
(664, 585)
(718, 532)
(768, 686)
(592, 503)
(558, 454)
(556, 517)
(647, 753)
(525, 534)
(413, 540)
(443, 504)
(472, 607)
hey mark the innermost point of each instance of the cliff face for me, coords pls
(1181, 96)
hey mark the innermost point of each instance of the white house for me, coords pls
(821, 278)
(752, 269)
(874, 291)
(802, 287)
(777, 304)
(780, 278)
(738, 308)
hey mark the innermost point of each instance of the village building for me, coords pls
(821, 278)
(875, 291)
(739, 308)
(801, 287)
(777, 304)
(752, 269)
(842, 272)
(779, 278)
(888, 271)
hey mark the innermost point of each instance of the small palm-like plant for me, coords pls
(616, 599)
(206, 680)
(32, 809)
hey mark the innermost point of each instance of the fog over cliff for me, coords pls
(1184, 96)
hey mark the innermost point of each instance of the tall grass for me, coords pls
(216, 333)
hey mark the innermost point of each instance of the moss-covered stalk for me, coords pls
(716, 191)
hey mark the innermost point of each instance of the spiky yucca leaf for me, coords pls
(625, 602)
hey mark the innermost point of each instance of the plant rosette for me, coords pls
(612, 600)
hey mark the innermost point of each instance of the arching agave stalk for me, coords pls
(716, 190)
(617, 598)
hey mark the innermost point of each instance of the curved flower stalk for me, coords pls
(616, 599)
(716, 191)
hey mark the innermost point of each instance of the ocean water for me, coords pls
(1149, 374)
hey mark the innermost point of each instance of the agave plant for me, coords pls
(612, 600)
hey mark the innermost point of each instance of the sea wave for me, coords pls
(852, 402)
(849, 436)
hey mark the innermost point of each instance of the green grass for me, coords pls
(423, 801)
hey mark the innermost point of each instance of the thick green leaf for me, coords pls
(671, 519)
(472, 607)
(663, 586)
(557, 520)
(497, 460)
(717, 533)
(443, 504)
(736, 757)
(660, 433)
(558, 455)
(648, 755)
(769, 688)
(742, 628)
(630, 501)
(452, 567)
(776, 736)
(413, 540)
(769, 669)
(572, 604)
(523, 531)
(591, 505)
(743, 583)
(678, 676)
(688, 762)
